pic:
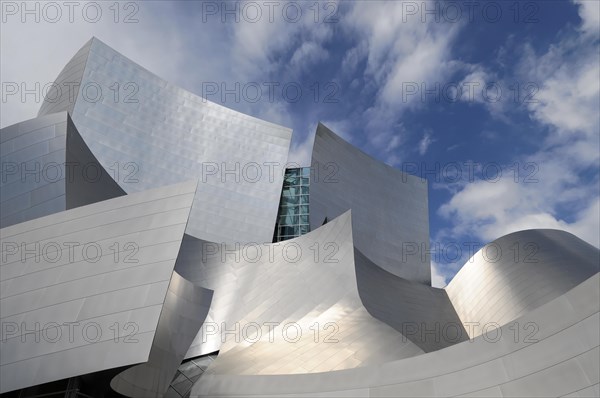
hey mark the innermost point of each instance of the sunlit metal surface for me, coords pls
(424, 314)
(183, 312)
(389, 208)
(306, 289)
(517, 273)
(155, 133)
(343, 310)
(562, 357)
(82, 290)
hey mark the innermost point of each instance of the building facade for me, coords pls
(157, 245)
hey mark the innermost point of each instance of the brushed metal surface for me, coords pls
(46, 168)
(423, 314)
(517, 273)
(183, 312)
(92, 309)
(298, 285)
(563, 360)
(389, 207)
(156, 133)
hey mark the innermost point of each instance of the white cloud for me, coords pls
(424, 143)
(399, 51)
(301, 152)
(566, 165)
(438, 279)
(589, 11)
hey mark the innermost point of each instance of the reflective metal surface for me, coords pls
(345, 310)
(82, 290)
(303, 295)
(517, 273)
(424, 314)
(183, 312)
(155, 133)
(46, 168)
(562, 358)
(389, 207)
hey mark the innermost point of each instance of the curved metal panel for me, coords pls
(561, 358)
(517, 273)
(183, 312)
(389, 207)
(62, 94)
(155, 133)
(82, 290)
(47, 168)
(422, 313)
(292, 307)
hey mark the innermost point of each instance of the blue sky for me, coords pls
(528, 76)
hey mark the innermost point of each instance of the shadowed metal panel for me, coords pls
(561, 358)
(47, 168)
(517, 273)
(91, 281)
(295, 306)
(155, 133)
(184, 310)
(33, 180)
(389, 207)
(422, 313)
(87, 181)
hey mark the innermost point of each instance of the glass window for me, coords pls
(304, 199)
(303, 209)
(288, 220)
(290, 200)
(304, 229)
(304, 219)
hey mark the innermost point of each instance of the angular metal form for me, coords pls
(423, 314)
(83, 289)
(46, 168)
(560, 359)
(155, 133)
(109, 277)
(389, 207)
(184, 311)
(292, 307)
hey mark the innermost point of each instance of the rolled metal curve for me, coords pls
(561, 358)
(155, 133)
(423, 314)
(304, 286)
(47, 168)
(389, 208)
(518, 273)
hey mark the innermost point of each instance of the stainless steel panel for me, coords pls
(67, 310)
(309, 282)
(389, 207)
(157, 133)
(517, 273)
(562, 359)
(184, 311)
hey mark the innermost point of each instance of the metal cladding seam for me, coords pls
(155, 133)
(389, 208)
(94, 302)
(303, 284)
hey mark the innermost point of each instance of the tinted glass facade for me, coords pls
(292, 219)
